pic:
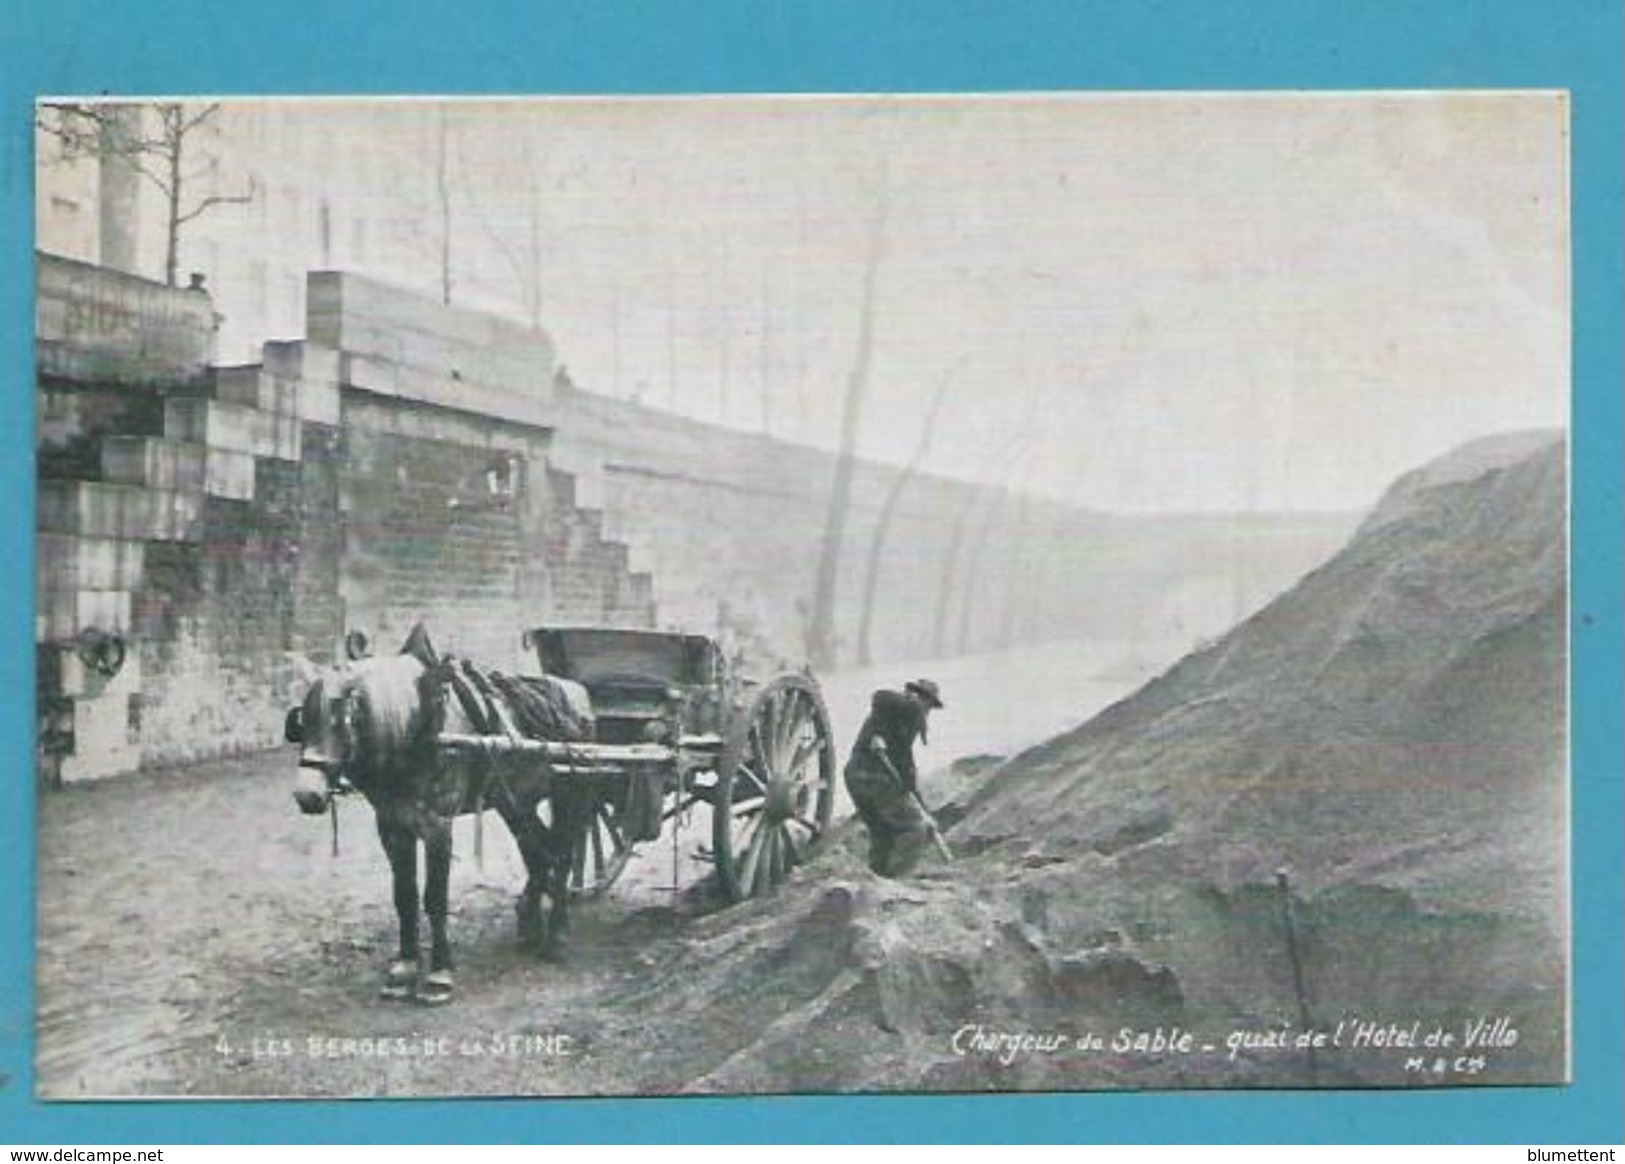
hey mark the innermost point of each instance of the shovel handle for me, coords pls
(946, 853)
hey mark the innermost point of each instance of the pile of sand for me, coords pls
(1391, 732)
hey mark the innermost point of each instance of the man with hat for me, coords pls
(881, 777)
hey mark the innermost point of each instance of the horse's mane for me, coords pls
(398, 714)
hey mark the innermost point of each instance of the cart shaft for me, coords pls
(588, 755)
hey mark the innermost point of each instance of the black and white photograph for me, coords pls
(819, 594)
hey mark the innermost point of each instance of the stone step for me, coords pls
(283, 393)
(315, 371)
(125, 512)
(229, 474)
(61, 614)
(72, 562)
(233, 427)
(253, 387)
(154, 462)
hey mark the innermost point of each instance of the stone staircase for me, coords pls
(140, 489)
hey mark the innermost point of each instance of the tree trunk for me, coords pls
(172, 238)
(871, 576)
(1017, 450)
(821, 634)
(443, 190)
(1021, 561)
(950, 574)
(975, 561)
(888, 510)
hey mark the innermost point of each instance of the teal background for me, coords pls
(622, 46)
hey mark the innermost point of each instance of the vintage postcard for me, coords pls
(760, 595)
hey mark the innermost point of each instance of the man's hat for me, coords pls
(926, 690)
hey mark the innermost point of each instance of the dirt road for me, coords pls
(197, 937)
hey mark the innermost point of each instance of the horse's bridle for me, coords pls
(342, 716)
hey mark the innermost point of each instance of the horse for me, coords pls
(373, 724)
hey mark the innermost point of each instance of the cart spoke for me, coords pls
(783, 724)
(779, 868)
(770, 857)
(761, 785)
(767, 736)
(810, 825)
(798, 733)
(753, 857)
(792, 850)
(746, 833)
(748, 807)
(805, 750)
(760, 750)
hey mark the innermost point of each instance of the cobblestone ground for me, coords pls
(196, 935)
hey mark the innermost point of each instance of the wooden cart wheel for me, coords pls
(775, 788)
(600, 853)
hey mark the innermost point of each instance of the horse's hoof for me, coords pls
(554, 948)
(436, 988)
(399, 980)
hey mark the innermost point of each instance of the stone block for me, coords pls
(220, 424)
(312, 372)
(93, 324)
(285, 436)
(241, 385)
(230, 475)
(106, 740)
(528, 405)
(77, 507)
(152, 461)
(62, 614)
(124, 512)
(275, 393)
(172, 516)
(72, 562)
(363, 317)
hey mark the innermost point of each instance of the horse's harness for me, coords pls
(343, 712)
(479, 702)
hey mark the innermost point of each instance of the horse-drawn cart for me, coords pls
(674, 728)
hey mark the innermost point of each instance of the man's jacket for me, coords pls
(894, 721)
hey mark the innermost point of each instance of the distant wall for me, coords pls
(729, 525)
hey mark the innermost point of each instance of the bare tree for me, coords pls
(156, 143)
(442, 188)
(1005, 457)
(821, 629)
(888, 511)
(523, 250)
(993, 517)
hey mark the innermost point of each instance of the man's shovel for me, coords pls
(936, 833)
(946, 853)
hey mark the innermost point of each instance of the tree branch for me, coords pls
(67, 125)
(214, 200)
(138, 164)
(183, 128)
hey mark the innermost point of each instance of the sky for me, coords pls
(1148, 303)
